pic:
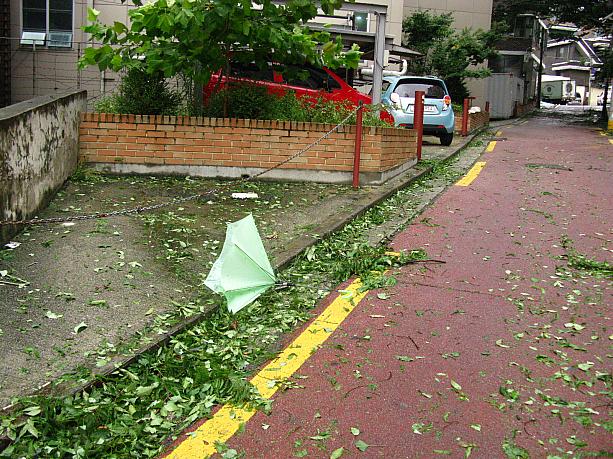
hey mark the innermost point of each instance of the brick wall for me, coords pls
(197, 141)
(475, 121)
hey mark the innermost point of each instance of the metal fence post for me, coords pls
(418, 119)
(465, 118)
(487, 106)
(358, 146)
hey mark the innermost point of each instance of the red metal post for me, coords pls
(465, 118)
(418, 119)
(358, 146)
(487, 106)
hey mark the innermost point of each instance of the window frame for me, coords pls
(47, 30)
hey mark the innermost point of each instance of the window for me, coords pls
(360, 22)
(311, 78)
(433, 89)
(53, 17)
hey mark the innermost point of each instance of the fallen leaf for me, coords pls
(362, 446)
(53, 315)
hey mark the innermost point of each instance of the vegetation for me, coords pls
(142, 93)
(236, 101)
(254, 102)
(579, 12)
(446, 53)
(195, 38)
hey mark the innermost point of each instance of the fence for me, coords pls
(212, 147)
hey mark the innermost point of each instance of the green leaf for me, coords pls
(53, 315)
(355, 431)
(337, 453)
(361, 445)
(97, 302)
(92, 14)
(80, 327)
(142, 391)
(585, 366)
(455, 385)
(512, 451)
(404, 358)
(32, 410)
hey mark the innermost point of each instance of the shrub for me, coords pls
(141, 93)
(255, 102)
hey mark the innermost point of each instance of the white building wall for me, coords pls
(41, 71)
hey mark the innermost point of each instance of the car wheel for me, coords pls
(446, 139)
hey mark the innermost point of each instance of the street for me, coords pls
(500, 348)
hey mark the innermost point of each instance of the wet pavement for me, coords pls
(503, 350)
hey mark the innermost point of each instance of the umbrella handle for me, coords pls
(280, 285)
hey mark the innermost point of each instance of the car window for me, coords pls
(251, 71)
(385, 85)
(434, 89)
(311, 78)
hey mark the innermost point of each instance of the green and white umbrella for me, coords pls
(242, 272)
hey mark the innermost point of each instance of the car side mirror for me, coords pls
(395, 98)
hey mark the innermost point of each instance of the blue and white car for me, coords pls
(399, 96)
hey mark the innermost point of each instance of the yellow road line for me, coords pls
(227, 421)
(491, 146)
(498, 134)
(611, 141)
(472, 174)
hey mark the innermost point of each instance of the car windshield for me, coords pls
(434, 89)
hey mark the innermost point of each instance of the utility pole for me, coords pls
(541, 56)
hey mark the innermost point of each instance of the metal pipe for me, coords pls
(465, 118)
(540, 72)
(418, 119)
(358, 146)
(377, 78)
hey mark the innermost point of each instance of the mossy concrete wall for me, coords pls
(39, 149)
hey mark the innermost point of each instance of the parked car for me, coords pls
(399, 96)
(306, 81)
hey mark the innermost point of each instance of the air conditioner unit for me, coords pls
(60, 40)
(32, 38)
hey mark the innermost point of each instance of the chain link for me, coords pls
(142, 209)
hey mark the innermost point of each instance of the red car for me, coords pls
(313, 83)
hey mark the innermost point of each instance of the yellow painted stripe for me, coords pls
(603, 133)
(491, 146)
(227, 421)
(472, 174)
(498, 133)
(611, 141)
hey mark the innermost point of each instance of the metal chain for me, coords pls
(142, 209)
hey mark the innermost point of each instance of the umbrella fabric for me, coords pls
(242, 272)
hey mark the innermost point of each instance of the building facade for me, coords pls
(46, 42)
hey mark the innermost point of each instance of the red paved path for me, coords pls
(500, 238)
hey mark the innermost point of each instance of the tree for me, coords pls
(195, 38)
(446, 53)
(583, 13)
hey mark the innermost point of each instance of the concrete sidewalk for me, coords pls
(503, 351)
(99, 292)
